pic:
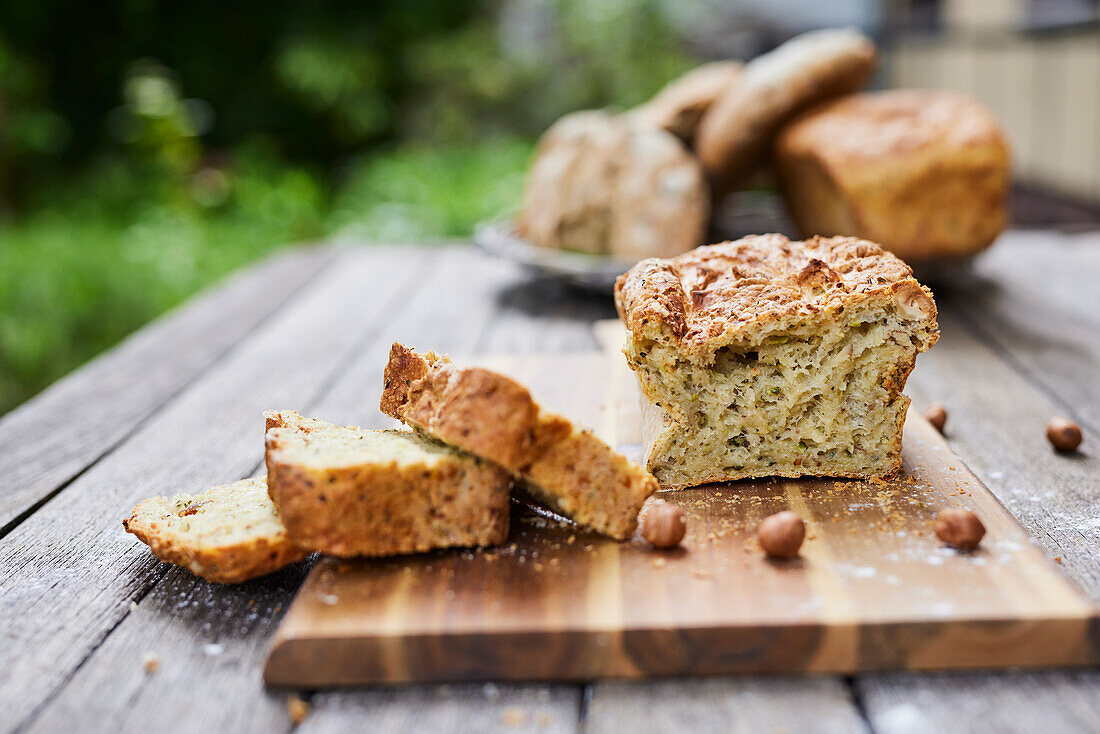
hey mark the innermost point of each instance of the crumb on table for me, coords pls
(514, 716)
(296, 709)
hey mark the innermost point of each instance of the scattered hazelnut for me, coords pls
(914, 303)
(663, 525)
(959, 528)
(1063, 434)
(296, 709)
(781, 534)
(936, 415)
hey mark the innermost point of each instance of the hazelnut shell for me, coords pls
(781, 534)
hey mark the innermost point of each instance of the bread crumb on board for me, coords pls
(514, 716)
(150, 662)
(296, 709)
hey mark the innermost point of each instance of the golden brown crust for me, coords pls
(735, 134)
(223, 563)
(475, 409)
(379, 508)
(733, 292)
(679, 106)
(925, 173)
(605, 184)
(494, 417)
(231, 565)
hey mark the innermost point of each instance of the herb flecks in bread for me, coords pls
(766, 357)
(493, 416)
(346, 491)
(227, 534)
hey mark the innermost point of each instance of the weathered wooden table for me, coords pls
(177, 407)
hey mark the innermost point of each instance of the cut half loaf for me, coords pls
(492, 416)
(226, 534)
(347, 492)
(766, 357)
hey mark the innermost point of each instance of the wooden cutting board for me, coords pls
(873, 588)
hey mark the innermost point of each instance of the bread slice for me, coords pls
(766, 357)
(226, 534)
(347, 492)
(492, 416)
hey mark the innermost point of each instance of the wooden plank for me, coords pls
(733, 705)
(1008, 702)
(875, 589)
(56, 435)
(1039, 307)
(68, 574)
(449, 305)
(995, 420)
(462, 709)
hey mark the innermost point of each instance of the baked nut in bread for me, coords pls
(679, 106)
(736, 134)
(351, 492)
(604, 185)
(492, 416)
(226, 534)
(766, 357)
(923, 173)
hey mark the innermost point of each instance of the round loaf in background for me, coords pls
(680, 105)
(923, 173)
(735, 135)
(603, 184)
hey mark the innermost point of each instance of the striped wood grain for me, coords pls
(873, 590)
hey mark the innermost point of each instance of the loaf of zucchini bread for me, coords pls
(766, 357)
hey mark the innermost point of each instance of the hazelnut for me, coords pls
(1063, 434)
(913, 303)
(781, 534)
(663, 525)
(959, 528)
(936, 415)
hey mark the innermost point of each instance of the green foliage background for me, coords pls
(149, 148)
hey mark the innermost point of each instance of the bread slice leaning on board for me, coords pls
(492, 416)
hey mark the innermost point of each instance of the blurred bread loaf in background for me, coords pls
(607, 185)
(924, 173)
(735, 134)
(681, 103)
